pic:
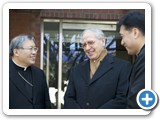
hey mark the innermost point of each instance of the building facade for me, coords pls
(57, 33)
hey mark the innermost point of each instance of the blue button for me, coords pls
(147, 99)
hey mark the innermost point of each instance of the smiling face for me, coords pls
(129, 40)
(25, 56)
(92, 46)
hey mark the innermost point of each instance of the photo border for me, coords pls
(5, 71)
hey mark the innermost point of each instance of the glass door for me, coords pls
(50, 52)
(61, 50)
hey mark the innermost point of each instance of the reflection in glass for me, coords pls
(72, 54)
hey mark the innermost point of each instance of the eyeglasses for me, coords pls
(89, 43)
(35, 49)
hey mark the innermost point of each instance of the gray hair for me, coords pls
(18, 42)
(98, 34)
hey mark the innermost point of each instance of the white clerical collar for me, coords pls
(25, 68)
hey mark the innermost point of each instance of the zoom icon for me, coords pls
(147, 99)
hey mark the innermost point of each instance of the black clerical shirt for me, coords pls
(26, 76)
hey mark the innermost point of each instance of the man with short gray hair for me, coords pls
(27, 83)
(101, 81)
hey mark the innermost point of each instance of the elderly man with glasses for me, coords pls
(101, 82)
(27, 83)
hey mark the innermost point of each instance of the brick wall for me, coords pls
(23, 21)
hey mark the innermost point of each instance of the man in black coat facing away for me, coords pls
(27, 83)
(132, 30)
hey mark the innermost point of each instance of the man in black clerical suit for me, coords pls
(27, 84)
(132, 30)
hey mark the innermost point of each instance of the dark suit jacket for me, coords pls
(18, 97)
(137, 79)
(106, 90)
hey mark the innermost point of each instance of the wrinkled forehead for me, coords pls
(89, 35)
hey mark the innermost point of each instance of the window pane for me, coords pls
(50, 58)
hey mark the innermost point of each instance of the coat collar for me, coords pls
(105, 66)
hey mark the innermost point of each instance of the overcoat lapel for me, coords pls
(134, 66)
(85, 71)
(105, 66)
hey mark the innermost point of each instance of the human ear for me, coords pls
(135, 32)
(16, 52)
(103, 41)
